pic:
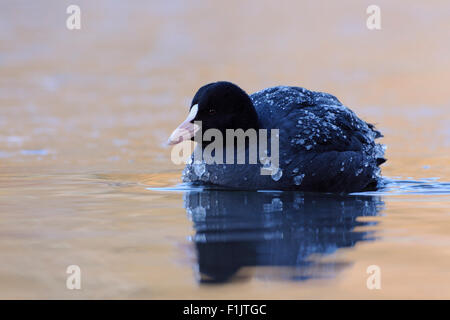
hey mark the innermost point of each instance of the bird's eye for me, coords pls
(212, 111)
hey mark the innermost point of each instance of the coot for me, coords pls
(322, 145)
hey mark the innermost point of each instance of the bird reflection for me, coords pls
(287, 231)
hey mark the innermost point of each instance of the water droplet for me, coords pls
(264, 160)
(298, 179)
(186, 175)
(267, 164)
(276, 174)
(205, 176)
(199, 168)
(379, 150)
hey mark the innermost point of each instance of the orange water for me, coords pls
(83, 115)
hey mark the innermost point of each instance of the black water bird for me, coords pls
(323, 145)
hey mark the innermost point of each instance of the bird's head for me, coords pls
(219, 105)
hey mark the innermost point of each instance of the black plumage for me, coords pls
(323, 145)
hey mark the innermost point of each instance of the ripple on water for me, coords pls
(425, 186)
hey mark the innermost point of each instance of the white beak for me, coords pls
(186, 130)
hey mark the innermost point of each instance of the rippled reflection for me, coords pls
(286, 230)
